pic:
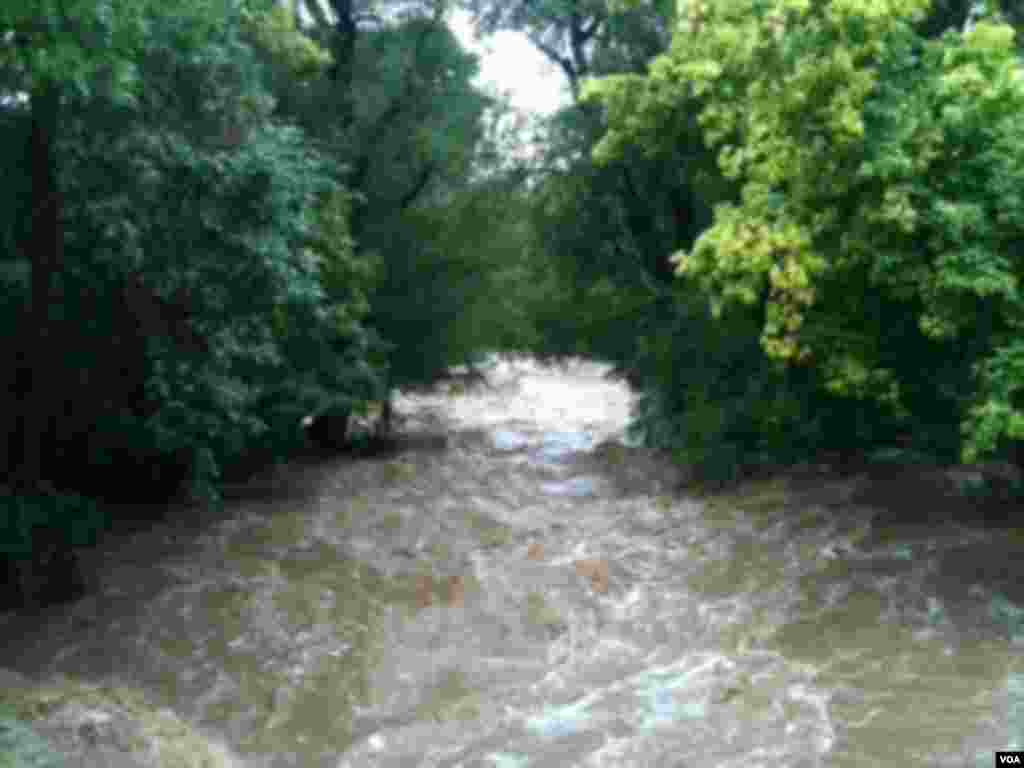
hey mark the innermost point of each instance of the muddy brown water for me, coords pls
(532, 593)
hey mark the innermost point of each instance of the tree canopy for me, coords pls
(876, 173)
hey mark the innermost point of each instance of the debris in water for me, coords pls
(596, 571)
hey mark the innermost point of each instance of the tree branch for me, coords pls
(425, 175)
(589, 31)
(317, 12)
(551, 53)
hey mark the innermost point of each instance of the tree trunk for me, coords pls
(45, 250)
(385, 428)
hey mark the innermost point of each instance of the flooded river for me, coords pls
(531, 593)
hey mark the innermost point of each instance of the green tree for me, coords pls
(55, 49)
(202, 292)
(53, 52)
(427, 212)
(397, 110)
(878, 213)
(602, 234)
(224, 236)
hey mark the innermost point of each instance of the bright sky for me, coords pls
(510, 64)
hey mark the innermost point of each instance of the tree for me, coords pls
(878, 173)
(206, 245)
(327, 110)
(429, 129)
(398, 112)
(603, 232)
(53, 48)
(50, 53)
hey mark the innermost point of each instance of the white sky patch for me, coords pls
(510, 64)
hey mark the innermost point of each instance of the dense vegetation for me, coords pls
(219, 221)
(874, 216)
(792, 225)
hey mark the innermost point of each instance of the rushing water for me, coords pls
(532, 594)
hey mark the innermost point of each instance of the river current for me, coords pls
(523, 588)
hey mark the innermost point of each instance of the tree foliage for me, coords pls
(878, 174)
(194, 276)
(214, 205)
(223, 223)
(433, 202)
